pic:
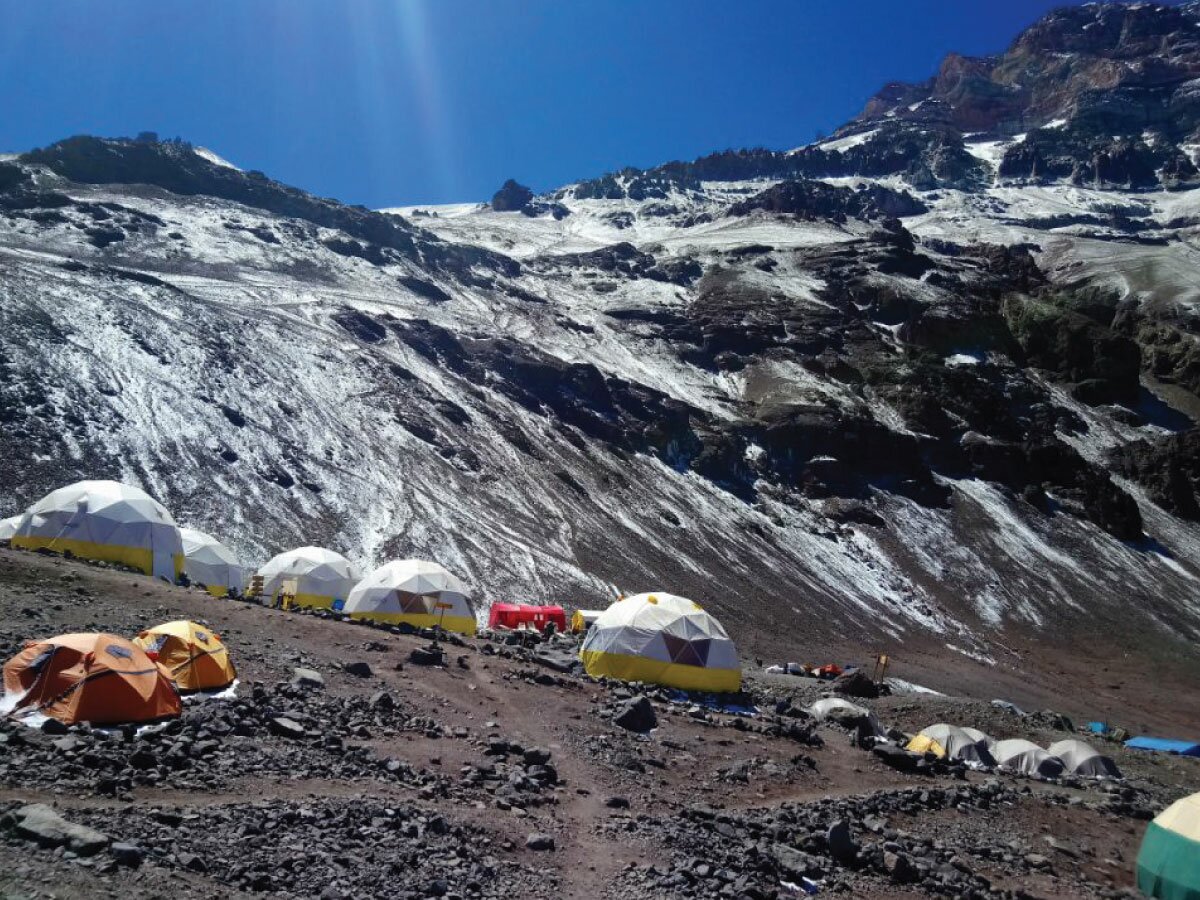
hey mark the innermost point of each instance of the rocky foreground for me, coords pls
(354, 762)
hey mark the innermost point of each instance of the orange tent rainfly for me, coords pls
(192, 654)
(91, 677)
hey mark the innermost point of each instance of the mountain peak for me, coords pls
(1123, 68)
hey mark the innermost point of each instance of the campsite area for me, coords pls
(493, 776)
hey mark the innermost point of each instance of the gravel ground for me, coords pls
(498, 775)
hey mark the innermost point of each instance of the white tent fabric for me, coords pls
(8, 527)
(105, 520)
(836, 708)
(208, 562)
(664, 639)
(411, 590)
(980, 737)
(960, 744)
(321, 576)
(1080, 758)
(1027, 758)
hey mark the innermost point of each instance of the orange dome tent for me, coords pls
(90, 677)
(193, 655)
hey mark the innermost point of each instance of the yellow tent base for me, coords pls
(140, 558)
(460, 624)
(217, 591)
(923, 744)
(623, 667)
(310, 601)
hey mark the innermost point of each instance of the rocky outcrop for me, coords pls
(1169, 470)
(175, 166)
(572, 395)
(1103, 366)
(817, 200)
(1115, 69)
(512, 197)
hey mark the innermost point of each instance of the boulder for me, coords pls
(842, 846)
(539, 841)
(793, 864)
(899, 867)
(536, 756)
(636, 714)
(856, 684)
(307, 678)
(358, 669)
(382, 700)
(129, 855)
(427, 656)
(285, 727)
(39, 822)
(512, 197)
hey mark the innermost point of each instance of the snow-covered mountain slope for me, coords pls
(877, 385)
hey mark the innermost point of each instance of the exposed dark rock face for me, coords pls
(623, 414)
(817, 200)
(929, 157)
(1103, 365)
(626, 261)
(1169, 469)
(512, 197)
(1048, 155)
(1114, 68)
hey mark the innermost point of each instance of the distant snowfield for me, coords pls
(1004, 214)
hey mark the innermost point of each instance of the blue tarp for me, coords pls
(1098, 727)
(1164, 745)
(711, 701)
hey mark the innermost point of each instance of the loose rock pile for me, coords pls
(330, 849)
(847, 844)
(281, 731)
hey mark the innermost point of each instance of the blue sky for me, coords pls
(389, 102)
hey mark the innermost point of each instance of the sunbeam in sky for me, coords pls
(393, 102)
(395, 54)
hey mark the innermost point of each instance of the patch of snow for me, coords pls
(841, 145)
(965, 359)
(972, 654)
(205, 153)
(226, 693)
(900, 686)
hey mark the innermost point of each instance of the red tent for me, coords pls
(515, 615)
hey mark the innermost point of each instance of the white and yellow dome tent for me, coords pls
(106, 521)
(317, 577)
(663, 639)
(208, 562)
(1168, 864)
(951, 742)
(412, 592)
